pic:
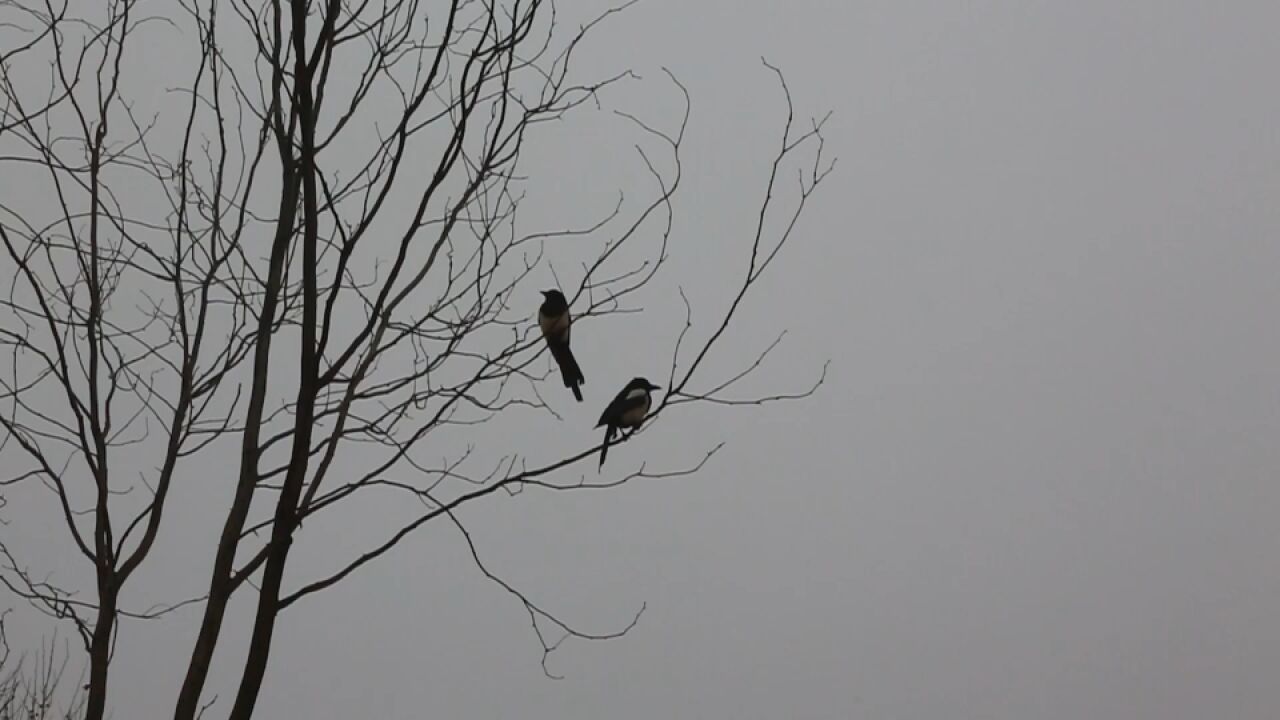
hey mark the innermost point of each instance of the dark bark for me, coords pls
(223, 583)
(100, 654)
(285, 517)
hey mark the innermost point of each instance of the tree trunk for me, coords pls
(221, 585)
(285, 519)
(100, 655)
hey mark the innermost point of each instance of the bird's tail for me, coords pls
(608, 438)
(569, 370)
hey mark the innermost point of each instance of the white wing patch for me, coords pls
(632, 417)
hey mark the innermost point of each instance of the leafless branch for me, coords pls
(304, 267)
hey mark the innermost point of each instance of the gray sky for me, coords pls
(1040, 481)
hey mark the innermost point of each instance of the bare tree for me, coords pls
(308, 252)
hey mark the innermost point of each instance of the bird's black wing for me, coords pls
(613, 409)
(620, 404)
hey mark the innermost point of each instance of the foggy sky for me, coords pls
(1040, 481)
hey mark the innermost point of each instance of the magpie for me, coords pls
(554, 321)
(626, 411)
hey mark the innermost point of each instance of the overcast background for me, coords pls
(1040, 481)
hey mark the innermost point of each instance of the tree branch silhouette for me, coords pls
(302, 268)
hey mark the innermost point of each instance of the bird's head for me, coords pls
(643, 384)
(553, 295)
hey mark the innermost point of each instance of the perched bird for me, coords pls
(554, 321)
(626, 411)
